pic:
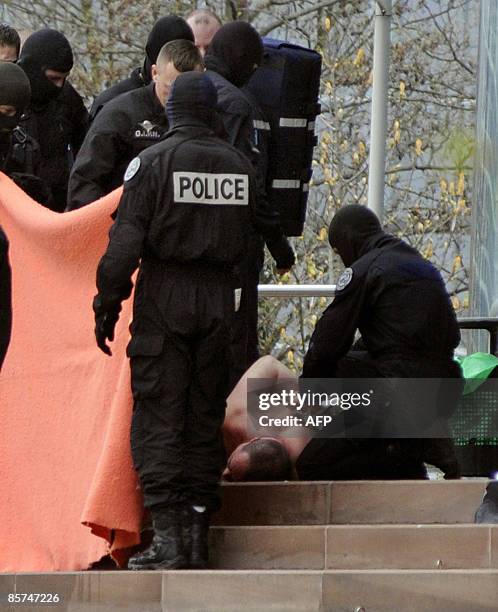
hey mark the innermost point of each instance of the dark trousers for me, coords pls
(245, 342)
(374, 458)
(179, 366)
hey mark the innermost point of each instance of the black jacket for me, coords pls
(238, 116)
(134, 81)
(5, 297)
(59, 128)
(161, 218)
(125, 127)
(21, 162)
(398, 302)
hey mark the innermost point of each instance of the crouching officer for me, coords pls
(398, 302)
(185, 211)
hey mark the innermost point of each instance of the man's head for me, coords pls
(204, 24)
(10, 43)
(261, 459)
(235, 52)
(47, 58)
(192, 101)
(165, 30)
(174, 58)
(352, 230)
(15, 94)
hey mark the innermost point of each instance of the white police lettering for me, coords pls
(344, 279)
(202, 188)
(133, 168)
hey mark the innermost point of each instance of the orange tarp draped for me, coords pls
(68, 488)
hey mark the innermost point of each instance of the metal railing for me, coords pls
(282, 291)
(489, 324)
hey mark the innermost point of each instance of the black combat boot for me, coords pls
(488, 510)
(196, 529)
(167, 549)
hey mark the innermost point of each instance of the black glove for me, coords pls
(282, 253)
(104, 329)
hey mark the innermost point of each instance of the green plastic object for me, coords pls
(476, 368)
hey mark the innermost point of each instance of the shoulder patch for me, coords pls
(344, 279)
(133, 168)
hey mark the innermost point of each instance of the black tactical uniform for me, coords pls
(56, 117)
(19, 153)
(165, 30)
(398, 302)
(5, 297)
(233, 54)
(185, 211)
(124, 128)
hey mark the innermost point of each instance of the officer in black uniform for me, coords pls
(126, 126)
(5, 297)
(165, 30)
(184, 215)
(19, 153)
(234, 53)
(398, 302)
(56, 117)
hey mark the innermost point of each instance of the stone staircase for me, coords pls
(341, 546)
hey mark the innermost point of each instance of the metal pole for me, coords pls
(378, 124)
(289, 291)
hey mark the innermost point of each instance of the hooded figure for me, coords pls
(398, 303)
(391, 294)
(45, 50)
(235, 52)
(353, 231)
(164, 30)
(15, 92)
(192, 102)
(19, 153)
(56, 118)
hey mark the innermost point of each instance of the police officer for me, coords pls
(165, 30)
(19, 153)
(184, 213)
(126, 126)
(234, 53)
(5, 297)
(398, 302)
(56, 117)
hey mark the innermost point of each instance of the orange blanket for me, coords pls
(65, 463)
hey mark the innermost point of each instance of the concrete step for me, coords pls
(355, 547)
(258, 591)
(348, 502)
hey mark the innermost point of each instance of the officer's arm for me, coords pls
(335, 330)
(266, 221)
(96, 161)
(5, 297)
(238, 124)
(126, 239)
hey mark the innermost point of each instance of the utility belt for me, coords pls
(205, 271)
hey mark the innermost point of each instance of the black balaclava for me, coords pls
(353, 232)
(164, 31)
(14, 91)
(45, 49)
(235, 49)
(192, 101)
